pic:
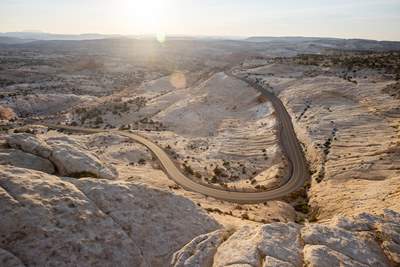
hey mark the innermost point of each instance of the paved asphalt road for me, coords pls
(298, 172)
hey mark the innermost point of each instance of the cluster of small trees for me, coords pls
(389, 62)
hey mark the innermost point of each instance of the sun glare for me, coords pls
(160, 36)
(149, 16)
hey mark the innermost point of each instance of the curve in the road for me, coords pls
(298, 171)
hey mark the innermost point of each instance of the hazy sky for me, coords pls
(374, 19)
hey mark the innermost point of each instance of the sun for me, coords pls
(150, 16)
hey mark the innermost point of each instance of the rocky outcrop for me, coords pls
(21, 159)
(349, 130)
(9, 260)
(200, 251)
(48, 222)
(361, 240)
(279, 242)
(362, 248)
(30, 144)
(158, 221)
(323, 256)
(52, 221)
(68, 159)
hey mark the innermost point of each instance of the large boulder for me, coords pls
(51, 221)
(277, 242)
(69, 159)
(323, 256)
(361, 240)
(200, 251)
(30, 144)
(74, 162)
(21, 159)
(360, 247)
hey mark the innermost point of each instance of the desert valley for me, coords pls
(200, 152)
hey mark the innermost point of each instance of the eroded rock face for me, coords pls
(323, 256)
(158, 221)
(349, 130)
(48, 222)
(69, 159)
(362, 240)
(253, 245)
(30, 144)
(200, 251)
(9, 260)
(21, 159)
(360, 247)
(51, 221)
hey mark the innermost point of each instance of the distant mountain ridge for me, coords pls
(14, 40)
(54, 36)
(291, 43)
(334, 43)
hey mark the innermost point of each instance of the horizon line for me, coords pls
(194, 35)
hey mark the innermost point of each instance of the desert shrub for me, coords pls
(214, 180)
(262, 99)
(188, 169)
(245, 216)
(99, 120)
(218, 171)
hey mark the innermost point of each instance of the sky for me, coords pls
(371, 19)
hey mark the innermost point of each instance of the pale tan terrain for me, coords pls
(219, 130)
(350, 132)
(361, 240)
(68, 198)
(134, 163)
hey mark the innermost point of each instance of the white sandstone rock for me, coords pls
(159, 222)
(9, 260)
(322, 256)
(48, 222)
(200, 251)
(69, 159)
(358, 246)
(21, 159)
(250, 245)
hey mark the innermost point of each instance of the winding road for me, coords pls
(298, 171)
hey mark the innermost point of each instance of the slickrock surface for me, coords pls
(21, 159)
(350, 132)
(69, 159)
(158, 221)
(200, 251)
(219, 130)
(361, 240)
(49, 221)
(9, 260)
(251, 245)
(43, 103)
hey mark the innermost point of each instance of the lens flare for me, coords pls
(160, 36)
(178, 80)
